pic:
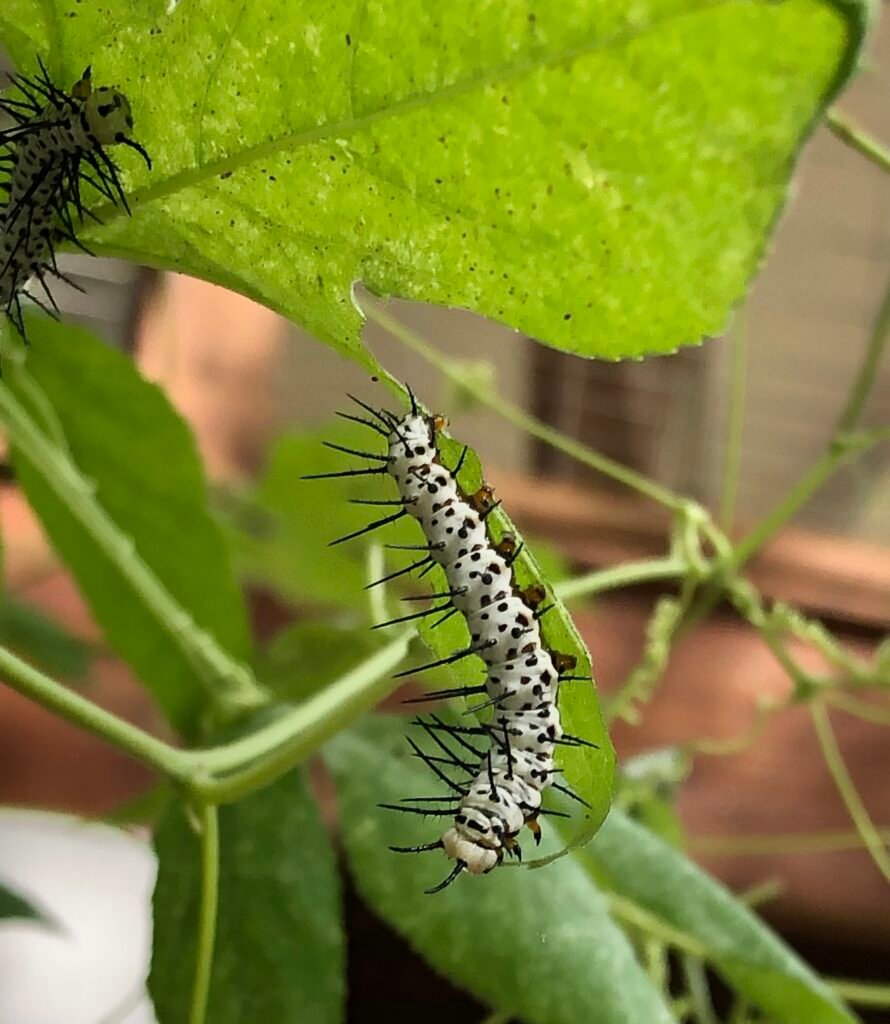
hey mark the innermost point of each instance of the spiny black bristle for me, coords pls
(446, 595)
(436, 770)
(376, 525)
(570, 793)
(356, 452)
(465, 653)
(458, 867)
(407, 618)
(397, 573)
(365, 423)
(423, 848)
(449, 694)
(448, 812)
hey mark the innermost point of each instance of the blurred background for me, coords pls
(243, 377)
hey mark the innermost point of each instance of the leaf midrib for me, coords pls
(340, 129)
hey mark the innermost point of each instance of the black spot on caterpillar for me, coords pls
(56, 144)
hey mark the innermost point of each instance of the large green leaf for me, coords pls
(600, 175)
(755, 962)
(126, 438)
(537, 944)
(279, 942)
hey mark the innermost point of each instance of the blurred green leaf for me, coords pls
(125, 436)
(41, 641)
(305, 657)
(536, 944)
(658, 816)
(279, 943)
(754, 961)
(601, 176)
(14, 906)
(144, 809)
(281, 530)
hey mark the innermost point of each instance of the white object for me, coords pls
(93, 883)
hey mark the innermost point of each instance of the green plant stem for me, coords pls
(842, 449)
(857, 670)
(513, 414)
(781, 621)
(865, 379)
(699, 992)
(74, 708)
(626, 575)
(747, 602)
(845, 444)
(738, 380)
(861, 709)
(846, 787)
(274, 749)
(374, 570)
(228, 684)
(209, 824)
(763, 892)
(740, 741)
(255, 759)
(858, 992)
(633, 914)
(661, 630)
(37, 396)
(861, 993)
(773, 845)
(858, 140)
(654, 956)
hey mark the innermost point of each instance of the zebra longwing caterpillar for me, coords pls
(56, 144)
(495, 772)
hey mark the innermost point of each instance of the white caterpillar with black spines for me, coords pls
(56, 144)
(505, 783)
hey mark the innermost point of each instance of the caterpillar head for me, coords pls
(108, 114)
